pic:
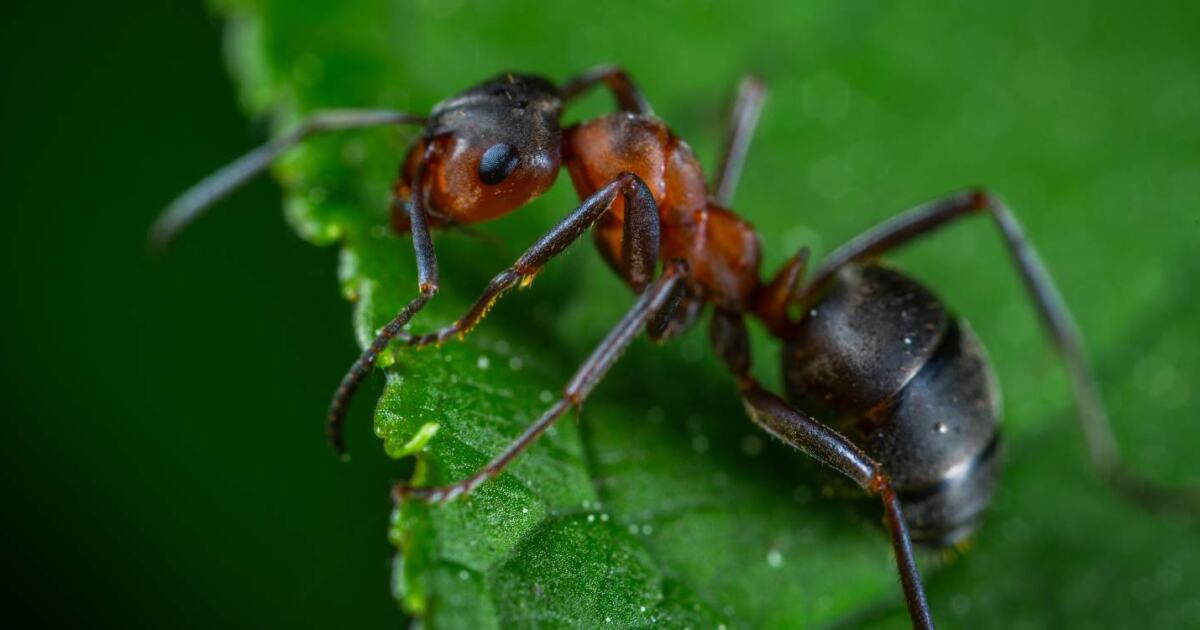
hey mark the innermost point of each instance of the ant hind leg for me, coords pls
(777, 417)
(832, 449)
(1055, 317)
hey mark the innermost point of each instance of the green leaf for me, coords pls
(663, 504)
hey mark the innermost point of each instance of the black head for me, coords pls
(492, 148)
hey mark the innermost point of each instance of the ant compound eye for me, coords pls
(497, 163)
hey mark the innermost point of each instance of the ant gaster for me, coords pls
(908, 402)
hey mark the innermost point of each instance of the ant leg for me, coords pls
(678, 316)
(656, 297)
(629, 96)
(772, 300)
(832, 449)
(777, 417)
(427, 282)
(1053, 312)
(639, 253)
(752, 92)
(188, 206)
(640, 240)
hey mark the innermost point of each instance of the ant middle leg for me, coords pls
(747, 107)
(660, 296)
(1053, 313)
(777, 417)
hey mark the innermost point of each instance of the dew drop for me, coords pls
(941, 428)
(545, 396)
(483, 363)
(774, 559)
(516, 363)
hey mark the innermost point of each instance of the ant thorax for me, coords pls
(721, 249)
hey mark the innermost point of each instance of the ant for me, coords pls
(909, 401)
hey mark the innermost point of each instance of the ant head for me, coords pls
(491, 149)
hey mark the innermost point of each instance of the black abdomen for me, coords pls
(880, 359)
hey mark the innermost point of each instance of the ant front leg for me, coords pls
(427, 285)
(1051, 309)
(639, 244)
(628, 95)
(777, 417)
(639, 254)
(660, 296)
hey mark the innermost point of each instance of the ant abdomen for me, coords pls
(878, 357)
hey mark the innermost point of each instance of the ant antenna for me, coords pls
(194, 201)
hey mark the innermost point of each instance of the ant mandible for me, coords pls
(910, 399)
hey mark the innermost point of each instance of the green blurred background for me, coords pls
(165, 464)
(166, 414)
